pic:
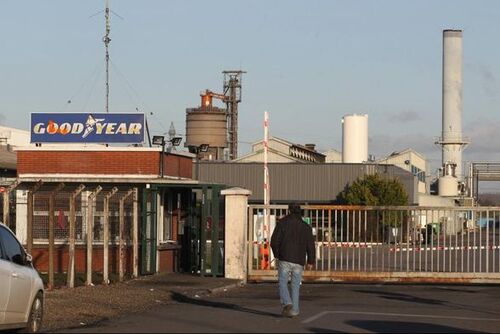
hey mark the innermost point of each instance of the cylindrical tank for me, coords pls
(448, 186)
(355, 138)
(452, 141)
(206, 126)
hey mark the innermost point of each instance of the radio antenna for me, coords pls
(106, 41)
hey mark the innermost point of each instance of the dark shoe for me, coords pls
(287, 311)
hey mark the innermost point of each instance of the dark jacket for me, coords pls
(292, 239)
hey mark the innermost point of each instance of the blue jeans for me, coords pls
(285, 270)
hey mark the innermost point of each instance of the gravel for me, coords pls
(82, 306)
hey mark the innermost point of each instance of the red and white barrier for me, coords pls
(442, 248)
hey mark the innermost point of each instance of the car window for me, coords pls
(12, 248)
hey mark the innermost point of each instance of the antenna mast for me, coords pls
(106, 41)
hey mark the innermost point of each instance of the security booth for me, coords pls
(179, 221)
(84, 206)
(154, 225)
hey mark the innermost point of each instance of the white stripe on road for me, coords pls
(319, 315)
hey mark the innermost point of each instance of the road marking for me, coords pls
(319, 315)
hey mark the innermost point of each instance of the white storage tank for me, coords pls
(448, 186)
(355, 138)
(448, 182)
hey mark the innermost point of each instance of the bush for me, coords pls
(375, 190)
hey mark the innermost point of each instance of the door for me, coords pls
(20, 284)
(212, 233)
(148, 231)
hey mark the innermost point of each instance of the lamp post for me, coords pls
(197, 150)
(160, 140)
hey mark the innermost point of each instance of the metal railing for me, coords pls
(357, 243)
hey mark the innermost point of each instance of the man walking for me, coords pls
(292, 239)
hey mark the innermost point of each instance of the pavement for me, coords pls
(325, 308)
(87, 305)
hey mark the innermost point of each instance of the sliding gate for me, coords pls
(388, 244)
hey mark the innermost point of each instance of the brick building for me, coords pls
(170, 208)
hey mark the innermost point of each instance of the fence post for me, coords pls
(105, 245)
(236, 233)
(135, 233)
(52, 200)
(6, 202)
(31, 193)
(70, 279)
(122, 227)
(90, 231)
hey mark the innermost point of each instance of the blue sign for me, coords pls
(87, 128)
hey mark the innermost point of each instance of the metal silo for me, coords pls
(207, 125)
(355, 138)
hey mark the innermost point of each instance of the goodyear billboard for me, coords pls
(87, 128)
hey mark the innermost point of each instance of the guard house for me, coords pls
(139, 205)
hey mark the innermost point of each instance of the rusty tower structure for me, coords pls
(232, 96)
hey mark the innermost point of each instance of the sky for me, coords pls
(308, 64)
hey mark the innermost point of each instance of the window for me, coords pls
(172, 207)
(13, 250)
(419, 173)
(167, 217)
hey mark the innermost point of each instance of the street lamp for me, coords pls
(197, 150)
(160, 140)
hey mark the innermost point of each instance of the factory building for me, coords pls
(303, 182)
(412, 161)
(281, 150)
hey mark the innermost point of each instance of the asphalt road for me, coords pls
(324, 308)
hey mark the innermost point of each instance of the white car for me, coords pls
(21, 288)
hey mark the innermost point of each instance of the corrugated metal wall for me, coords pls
(309, 183)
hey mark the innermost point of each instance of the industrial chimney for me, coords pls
(451, 140)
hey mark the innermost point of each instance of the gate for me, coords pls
(388, 244)
(148, 231)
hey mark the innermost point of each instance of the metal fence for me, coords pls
(62, 213)
(455, 244)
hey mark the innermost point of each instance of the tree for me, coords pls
(375, 190)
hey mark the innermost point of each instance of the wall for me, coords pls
(273, 144)
(271, 157)
(124, 161)
(175, 165)
(40, 254)
(414, 159)
(333, 156)
(306, 182)
(14, 137)
(433, 200)
(168, 260)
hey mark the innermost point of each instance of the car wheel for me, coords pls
(36, 315)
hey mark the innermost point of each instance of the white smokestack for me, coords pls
(451, 140)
